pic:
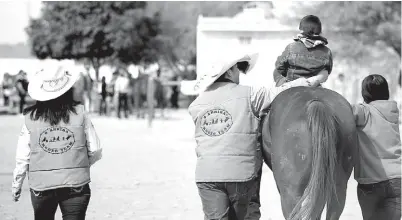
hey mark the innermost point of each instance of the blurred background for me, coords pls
(147, 172)
(174, 40)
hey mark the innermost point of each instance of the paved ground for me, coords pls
(146, 173)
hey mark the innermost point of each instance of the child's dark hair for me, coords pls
(310, 25)
(375, 87)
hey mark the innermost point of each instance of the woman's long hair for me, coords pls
(55, 110)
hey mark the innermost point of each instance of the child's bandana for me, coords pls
(311, 41)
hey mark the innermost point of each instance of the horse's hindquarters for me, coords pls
(293, 129)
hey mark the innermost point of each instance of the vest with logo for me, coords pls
(59, 156)
(226, 132)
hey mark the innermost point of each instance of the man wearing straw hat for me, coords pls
(227, 120)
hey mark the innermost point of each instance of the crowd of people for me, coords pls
(120, 93)
(104, 98)
(14, 91)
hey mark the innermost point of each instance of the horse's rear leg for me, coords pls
(337, 204)
(289, 197)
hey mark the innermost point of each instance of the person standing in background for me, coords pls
(22, 88)
(79, 89)
(130, 95)
(111, 97)
(89, 92)
(103, 104)
(122, 88)
(7, 85)
(174, 98)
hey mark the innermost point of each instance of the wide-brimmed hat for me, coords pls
(49, 84)
(219, 68)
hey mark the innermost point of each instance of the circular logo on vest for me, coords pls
(216, 122)
(56, 140)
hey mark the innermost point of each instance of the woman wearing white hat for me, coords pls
(56, 147)
(227, 120)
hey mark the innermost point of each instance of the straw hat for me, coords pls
(47, 84)
(219, 68)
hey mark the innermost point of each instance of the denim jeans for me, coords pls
(226, 200)
(253, 211)
(73, 203)
(380, 200)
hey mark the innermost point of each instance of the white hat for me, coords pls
(47, 84)
(218, 69)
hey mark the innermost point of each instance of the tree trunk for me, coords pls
(97, 73)
(96, 65)
(150, 99)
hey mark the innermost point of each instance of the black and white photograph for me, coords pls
(200, 110)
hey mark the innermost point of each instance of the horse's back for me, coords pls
(288, 129)
(291, 105)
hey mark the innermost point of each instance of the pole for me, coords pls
(150, 99)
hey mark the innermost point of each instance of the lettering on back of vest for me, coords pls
(216, 122)
(56, 140)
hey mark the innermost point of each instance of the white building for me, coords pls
(252, 30)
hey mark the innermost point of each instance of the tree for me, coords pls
(95, 32)
(178, 22)
(364, 36)
(369, 22)
(137, 42)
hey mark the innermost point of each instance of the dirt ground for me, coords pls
(146, 173)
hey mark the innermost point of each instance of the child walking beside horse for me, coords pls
(378, 168)
(227, 120)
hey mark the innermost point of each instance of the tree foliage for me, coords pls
(365, 37)
(179, 26)
(368, 22)
(97, 32)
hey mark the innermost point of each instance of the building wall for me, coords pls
(213, 46)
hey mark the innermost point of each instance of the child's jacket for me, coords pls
(379, 150)
(302, 58)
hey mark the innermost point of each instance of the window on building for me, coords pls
(245, 40)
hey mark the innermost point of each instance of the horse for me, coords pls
(309, 142)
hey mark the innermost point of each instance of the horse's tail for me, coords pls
(323, 129)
